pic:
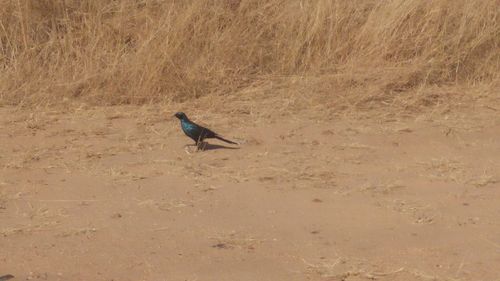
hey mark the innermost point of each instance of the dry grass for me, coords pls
(343, 268)
(141, 51)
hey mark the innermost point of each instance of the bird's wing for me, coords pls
(207, 133)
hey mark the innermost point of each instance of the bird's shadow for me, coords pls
(207, 147)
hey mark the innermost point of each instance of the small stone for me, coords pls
(116, 216)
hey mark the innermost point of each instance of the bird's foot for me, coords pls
(201, 146)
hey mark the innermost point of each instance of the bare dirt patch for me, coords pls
(110, 194)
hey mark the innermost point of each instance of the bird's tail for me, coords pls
(223, 139)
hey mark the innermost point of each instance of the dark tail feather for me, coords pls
(223, 139)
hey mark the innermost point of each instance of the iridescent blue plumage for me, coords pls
(190, 129)
(197, 132)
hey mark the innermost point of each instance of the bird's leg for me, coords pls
(204, 144)
(199, 142)
(200, 146)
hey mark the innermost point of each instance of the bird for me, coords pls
(198, 133)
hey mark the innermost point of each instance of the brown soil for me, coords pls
(110, 194)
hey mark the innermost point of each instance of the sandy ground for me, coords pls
(110, 194)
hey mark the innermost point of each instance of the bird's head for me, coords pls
(180, 115)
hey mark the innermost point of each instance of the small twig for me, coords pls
(373, 275)
(161, 229)
(491, 107)
(155, 131)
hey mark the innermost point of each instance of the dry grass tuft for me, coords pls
(116, 52)
(343, 269)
